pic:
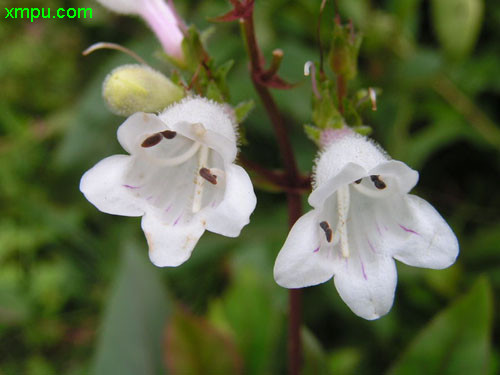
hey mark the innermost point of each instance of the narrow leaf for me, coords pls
(195, 347)
(456, 342)
(130, 341)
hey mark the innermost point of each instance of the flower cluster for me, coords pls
(181, 177)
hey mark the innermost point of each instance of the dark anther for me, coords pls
(205, 173)
(169, 134)
(358, 181)
(152, 140)
(328, 231)
(379, 184)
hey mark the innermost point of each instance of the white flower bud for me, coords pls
(137, 88)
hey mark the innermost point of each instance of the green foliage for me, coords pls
(195, 347)
(457, 24)
(315, 362)
(132, 329)
(457, 341)
(248, 311)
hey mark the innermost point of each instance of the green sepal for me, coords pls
(220, 78)
(243, 109)
(351, 115)
(206, 34)
(363, 130)
(324, 110)
(214, 93)
(313, 133)
(192, 50)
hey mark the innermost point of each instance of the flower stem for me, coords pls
(293, 179)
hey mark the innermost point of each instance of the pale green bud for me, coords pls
(138, 88)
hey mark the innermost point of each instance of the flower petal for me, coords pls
(430, 241)
(217, 120)
(122, 6)
(224, 146)
(103, 186)
(405, 176)
(239, 201)
(367, 284)
(300, 262)
(170, 245)
(138, 127)
(350, 173)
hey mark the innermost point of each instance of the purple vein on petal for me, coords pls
(316, 250)
(149, 198)
(378, 229)
(131, 187)
(408, 230)
(177, 220)
(363, 269)
(372, 248)
(168, 208)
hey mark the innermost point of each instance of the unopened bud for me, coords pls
(345, 50)
(137, 88)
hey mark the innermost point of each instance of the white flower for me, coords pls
(363, 219)
(180, 176)
(159, 16)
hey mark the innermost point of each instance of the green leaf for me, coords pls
(132, 329)
(345, 361)
(195, 347)
(457, 24)
(249, 310)
(315, 362)
(456, 341)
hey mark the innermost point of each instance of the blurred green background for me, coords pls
(77, 292)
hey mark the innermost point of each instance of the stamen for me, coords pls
(373, 98)
(207, 175)
(199, 181)
(152, 140)
(168, 134)
(328, 231)
(343, 198)
(373, 193)
(379, 184)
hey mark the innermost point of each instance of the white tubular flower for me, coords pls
(180, 176)
(363, 219)
(159, 16)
